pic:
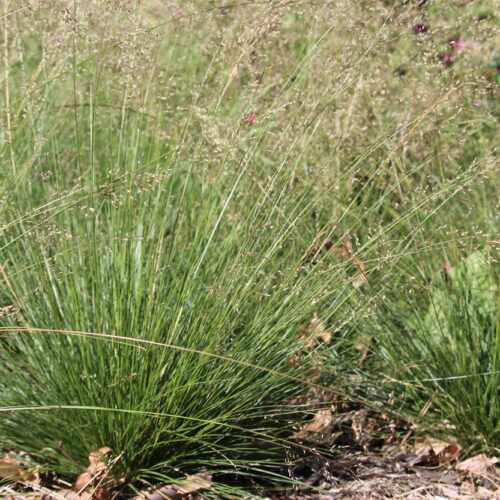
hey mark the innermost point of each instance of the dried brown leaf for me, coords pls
(313, 332)
(483, 493)
(432, 450)
(83, 481)
(101, 494)
(345, 251)
(450, 453)
(96, 460)
(13, 470)
(437, 445)
(10, 469)
(319, 431)
(480, 464)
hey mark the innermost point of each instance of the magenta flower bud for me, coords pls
(479, 104)
(418, 29)
(446, 59)
(251, 118)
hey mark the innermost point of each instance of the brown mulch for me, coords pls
(371, 477)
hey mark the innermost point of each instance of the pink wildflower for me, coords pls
(458, 44)
(251, 118)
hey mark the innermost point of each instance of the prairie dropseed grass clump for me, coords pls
(213, 216)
